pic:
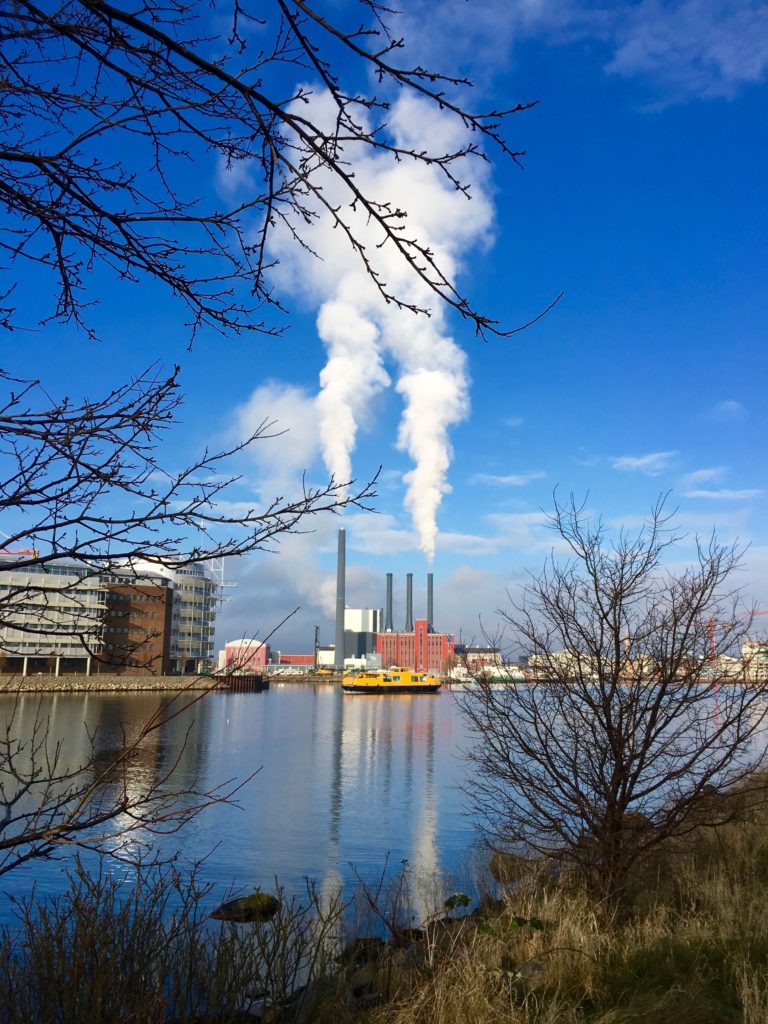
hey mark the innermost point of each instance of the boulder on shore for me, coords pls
(253, 909)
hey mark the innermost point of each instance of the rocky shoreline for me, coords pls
(102, 683)
(108, 683)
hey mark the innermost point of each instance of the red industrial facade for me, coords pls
(420, 651)
(297, 659)
(246, 655)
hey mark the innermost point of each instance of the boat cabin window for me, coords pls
(395, 679)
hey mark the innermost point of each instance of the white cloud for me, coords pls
(379, 534)
(684, 48)
(724, 494)
(704, 48)
(519, 532)
(755, 565)
(730, 523)
(728, 410)
(474, 544)
(467, 603)
(511, 480)
(527, 533)
(231, 180)
(390, 480)
(271, 586)
(291, 444)
(702, 476)
(361, 329)
(651, 464)
(589, 461)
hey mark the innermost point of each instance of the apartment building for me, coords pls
(61, 617)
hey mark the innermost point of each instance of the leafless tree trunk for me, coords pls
(629, 725)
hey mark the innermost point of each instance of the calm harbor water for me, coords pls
(344, 781)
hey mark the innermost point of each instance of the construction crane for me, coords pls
(711, 623)
(20, 551)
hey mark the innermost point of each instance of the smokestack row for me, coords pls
(341, 573)
(408, 628)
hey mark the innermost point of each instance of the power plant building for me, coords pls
(364, 637)
(418, 647)
(420, 651)
(363, 620)
(361, 627)
(246, 655)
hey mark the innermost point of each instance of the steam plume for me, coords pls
(350, 378)
(362, 332)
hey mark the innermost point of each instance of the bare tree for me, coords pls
(105, 110)
(630, 723)
(108, 112)
(83, 483)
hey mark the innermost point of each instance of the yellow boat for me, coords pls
(390, 680)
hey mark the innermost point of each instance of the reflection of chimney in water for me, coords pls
(409, 603)
(430, 609)
(388, 614)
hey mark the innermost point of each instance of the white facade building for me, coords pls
(754, 658)
(363, 620)
(58, 609)
(54, 609)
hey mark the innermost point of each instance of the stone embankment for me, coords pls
(102, 683)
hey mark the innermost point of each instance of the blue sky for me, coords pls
(643, 199)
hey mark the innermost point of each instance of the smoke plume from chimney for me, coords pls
(362, 331)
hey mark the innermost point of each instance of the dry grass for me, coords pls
(145, 952)
(692, 948)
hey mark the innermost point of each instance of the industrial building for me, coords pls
(243, 656)
(361, 632)
(63, 617)
(417, 647)
(364, 637)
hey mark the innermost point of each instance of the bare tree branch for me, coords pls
(632, 718)
(87, 482)
(106, 110)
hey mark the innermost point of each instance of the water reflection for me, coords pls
(70, 744)
(344, 780)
